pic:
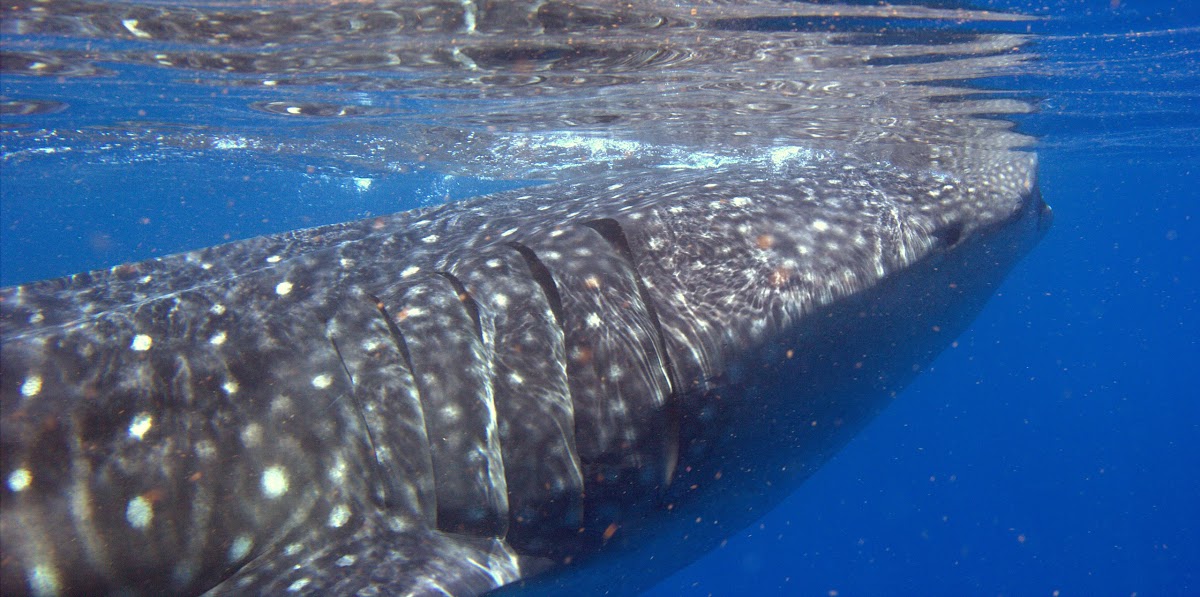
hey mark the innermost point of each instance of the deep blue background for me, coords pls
(1056, 448)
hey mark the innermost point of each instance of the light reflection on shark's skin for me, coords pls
(611, 372)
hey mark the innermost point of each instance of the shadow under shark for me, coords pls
(548, 383)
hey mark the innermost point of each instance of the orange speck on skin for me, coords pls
(764, 241)
(779, 277)
(584, 355)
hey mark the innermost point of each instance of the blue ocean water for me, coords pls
(1054, 450)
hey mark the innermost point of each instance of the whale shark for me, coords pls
(745, 239)
(449, 400)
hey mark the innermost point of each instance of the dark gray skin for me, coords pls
(549, 381)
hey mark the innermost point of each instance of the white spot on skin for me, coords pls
(347, 560)
(410, 270)
(500, 300)
(292, 549)
(252, 435)
(131, 25)
(240, 548)
(593, 320)
(516, 378)
(205, 450)
(337, 473)
(140, 425)
(615, 373)
(283, 288)
(32, 386)
(43, 581)
(141, 343)
(274, 482)
(820, 225)
(217, 309)
(139, 512)
(432, 238)
(19, 480)
(230, 387)
(322, 381)
(217, 339)
(338, 516)
(274, 259)
(298, 586)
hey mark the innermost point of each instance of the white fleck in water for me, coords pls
(141, 342)
(274, 482)
(501, 300)
(820, 225)
(217, 309)
(322, 381)
(432, 238)
(347, 560)
(283, 288)
(363, 184)
(140, 425)
(230, 143)
(408, 271)
(217, 339)
(593, 320)
(274, 259)
(32, 386)
(230, 387)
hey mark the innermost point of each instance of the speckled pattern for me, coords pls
(444, 400)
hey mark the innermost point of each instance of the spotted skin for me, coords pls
(449, 400)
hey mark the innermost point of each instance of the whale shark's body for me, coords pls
(580, 386)
(452, 399)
